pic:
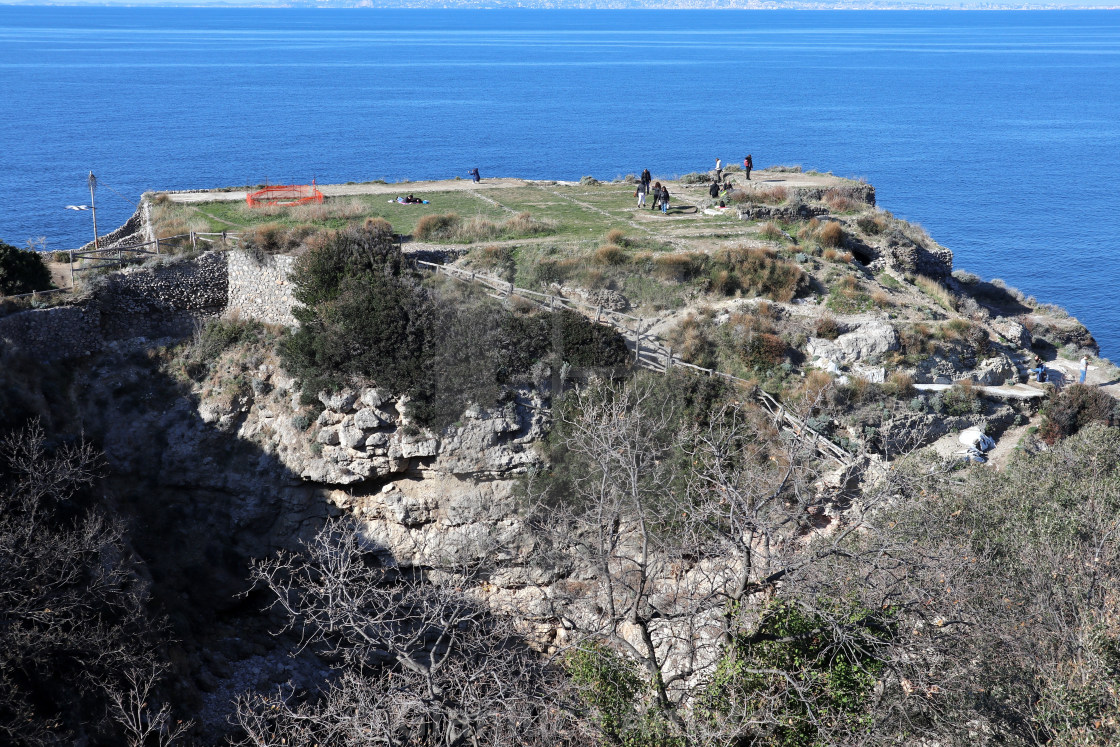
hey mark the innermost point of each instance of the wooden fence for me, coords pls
(649, 352)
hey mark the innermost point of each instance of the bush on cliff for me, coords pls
(1075, 407)
(365, 315)
(22, 271)
(362, 312)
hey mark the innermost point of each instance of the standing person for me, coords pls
(1084, 370)
(665, 200)
(656, 195)
(748, 164)
(640, 193)
(719, 170)
(646, 178)
(474, 174)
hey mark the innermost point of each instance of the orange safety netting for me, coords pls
(284, 196)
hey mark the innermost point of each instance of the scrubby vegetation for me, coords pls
(22, 271)
(450, 227)
(365, 315)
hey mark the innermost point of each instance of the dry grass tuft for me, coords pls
(610, 254)
(882, 299)
(450, 227)
(832, 235)
(617, 237)
(771, 231)
(828, 328)
(899, 385)
(938, 292)
(678, 266)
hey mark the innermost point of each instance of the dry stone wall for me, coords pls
(163, 300)
(51, 334)
(260, 289)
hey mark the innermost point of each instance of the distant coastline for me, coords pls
(858, 5)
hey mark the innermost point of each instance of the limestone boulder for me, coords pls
(865, 343)
(1013, 332)
(367, 419)
(994, 371)
(342, 401)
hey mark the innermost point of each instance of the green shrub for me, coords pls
(961, 399)
(365, 316)
(763, 351)
(1075, 407)
(22, 271)
(695, 178)
(361, 314)
(803, 670)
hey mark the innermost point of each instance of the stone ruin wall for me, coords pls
(260, 289)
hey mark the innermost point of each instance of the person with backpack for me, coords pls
(713, 190)
(640, 193)
(748, 164)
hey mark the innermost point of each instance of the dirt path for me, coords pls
(370, 188)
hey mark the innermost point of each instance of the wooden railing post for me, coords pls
(669, 359)
(194, 242)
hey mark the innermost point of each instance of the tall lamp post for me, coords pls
(92, 207)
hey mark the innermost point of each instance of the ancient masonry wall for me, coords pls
(52, 334)
(153, 302)
(260, 289)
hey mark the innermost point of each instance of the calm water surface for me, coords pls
(999, 132)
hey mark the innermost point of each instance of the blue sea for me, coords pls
(997, 131)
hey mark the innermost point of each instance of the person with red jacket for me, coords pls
(748, 164)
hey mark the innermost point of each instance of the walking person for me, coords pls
(1084, 370)
(748, 164)
(656, 195)
(646, 178)
(665, 200)
(640, 193)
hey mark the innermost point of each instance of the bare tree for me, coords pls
(420, 662)
(711, 556)
(72, 608)
(131, 707)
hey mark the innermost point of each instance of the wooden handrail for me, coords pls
(652, 356)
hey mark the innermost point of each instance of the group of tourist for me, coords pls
(659, 192)
(1042, 374)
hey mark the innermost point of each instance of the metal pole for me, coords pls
(93, 208)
